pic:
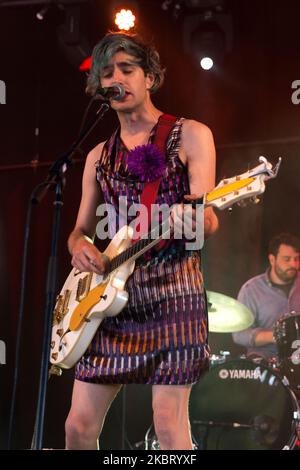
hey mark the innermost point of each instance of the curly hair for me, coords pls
(283, 239)
(146, 54)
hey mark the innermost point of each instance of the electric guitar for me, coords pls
(87, 298)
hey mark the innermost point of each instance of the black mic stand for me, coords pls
(55, 181)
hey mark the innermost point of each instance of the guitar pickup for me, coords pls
(83, 287)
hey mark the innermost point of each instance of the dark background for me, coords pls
(246, 102)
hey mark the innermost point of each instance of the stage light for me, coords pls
(124, 14)
(125, 19)
(208, 36)
(42, 13)
(206, 63)
(86, 64)
(208, 42)
(73, 43)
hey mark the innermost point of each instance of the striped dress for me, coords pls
(160, 337)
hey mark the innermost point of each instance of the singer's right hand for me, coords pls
(86, 257)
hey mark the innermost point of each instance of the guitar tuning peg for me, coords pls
(255, 200)
(242, 203)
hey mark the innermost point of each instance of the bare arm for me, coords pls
(263, 337)
(198, 150)
(255, 336)
(85, 256)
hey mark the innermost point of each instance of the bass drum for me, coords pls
(243, 405)
(287, 336)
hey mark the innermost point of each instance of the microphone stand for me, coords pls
(55, 180)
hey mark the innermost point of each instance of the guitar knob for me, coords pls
(55, 370)
(242, 203)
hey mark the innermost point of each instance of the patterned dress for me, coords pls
(160, 337)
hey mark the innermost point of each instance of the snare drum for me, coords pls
(287, 336)
(243, 405)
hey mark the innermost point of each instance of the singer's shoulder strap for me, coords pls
(149, 194)
(164, 126)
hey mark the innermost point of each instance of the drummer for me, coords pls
(271, 295)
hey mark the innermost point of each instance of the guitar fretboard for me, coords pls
(140, 246)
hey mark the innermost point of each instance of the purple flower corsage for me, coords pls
(146, 162)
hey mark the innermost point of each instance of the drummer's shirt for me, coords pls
(284, 287)
(268, 302)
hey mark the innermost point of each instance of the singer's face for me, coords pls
(124, 69)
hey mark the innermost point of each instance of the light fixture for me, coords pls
(208, 44)
(72, 41)
(42, 13)
(124, 14)
(207, 38)
(206, 63)
(125, 19)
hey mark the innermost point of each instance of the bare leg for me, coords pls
(90, 404)
(171, 417)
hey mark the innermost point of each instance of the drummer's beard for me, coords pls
(286, 275)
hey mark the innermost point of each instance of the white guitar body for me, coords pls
(67, 346)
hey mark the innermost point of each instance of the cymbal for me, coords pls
(227, 315)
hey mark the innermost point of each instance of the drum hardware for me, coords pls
(240, 404)
(151, 441)
(286, 332)
(219, 358)
(246, 403)
(238, 412)
(264, 429)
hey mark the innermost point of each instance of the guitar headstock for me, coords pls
(248, 185)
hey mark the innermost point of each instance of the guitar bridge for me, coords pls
(83, 287)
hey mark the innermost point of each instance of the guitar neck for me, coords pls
(141, 246)
(161, 232)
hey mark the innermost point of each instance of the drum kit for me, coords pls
(243, 403)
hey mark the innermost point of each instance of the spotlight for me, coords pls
(125, 19)
(124, 14)
(207, 38)
(42, 13)
(208, 44)
(206, 63)
(86, 64)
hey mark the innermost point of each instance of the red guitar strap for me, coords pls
(165, 124)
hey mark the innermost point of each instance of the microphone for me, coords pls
(115, 92)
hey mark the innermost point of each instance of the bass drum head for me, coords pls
(243, 405)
